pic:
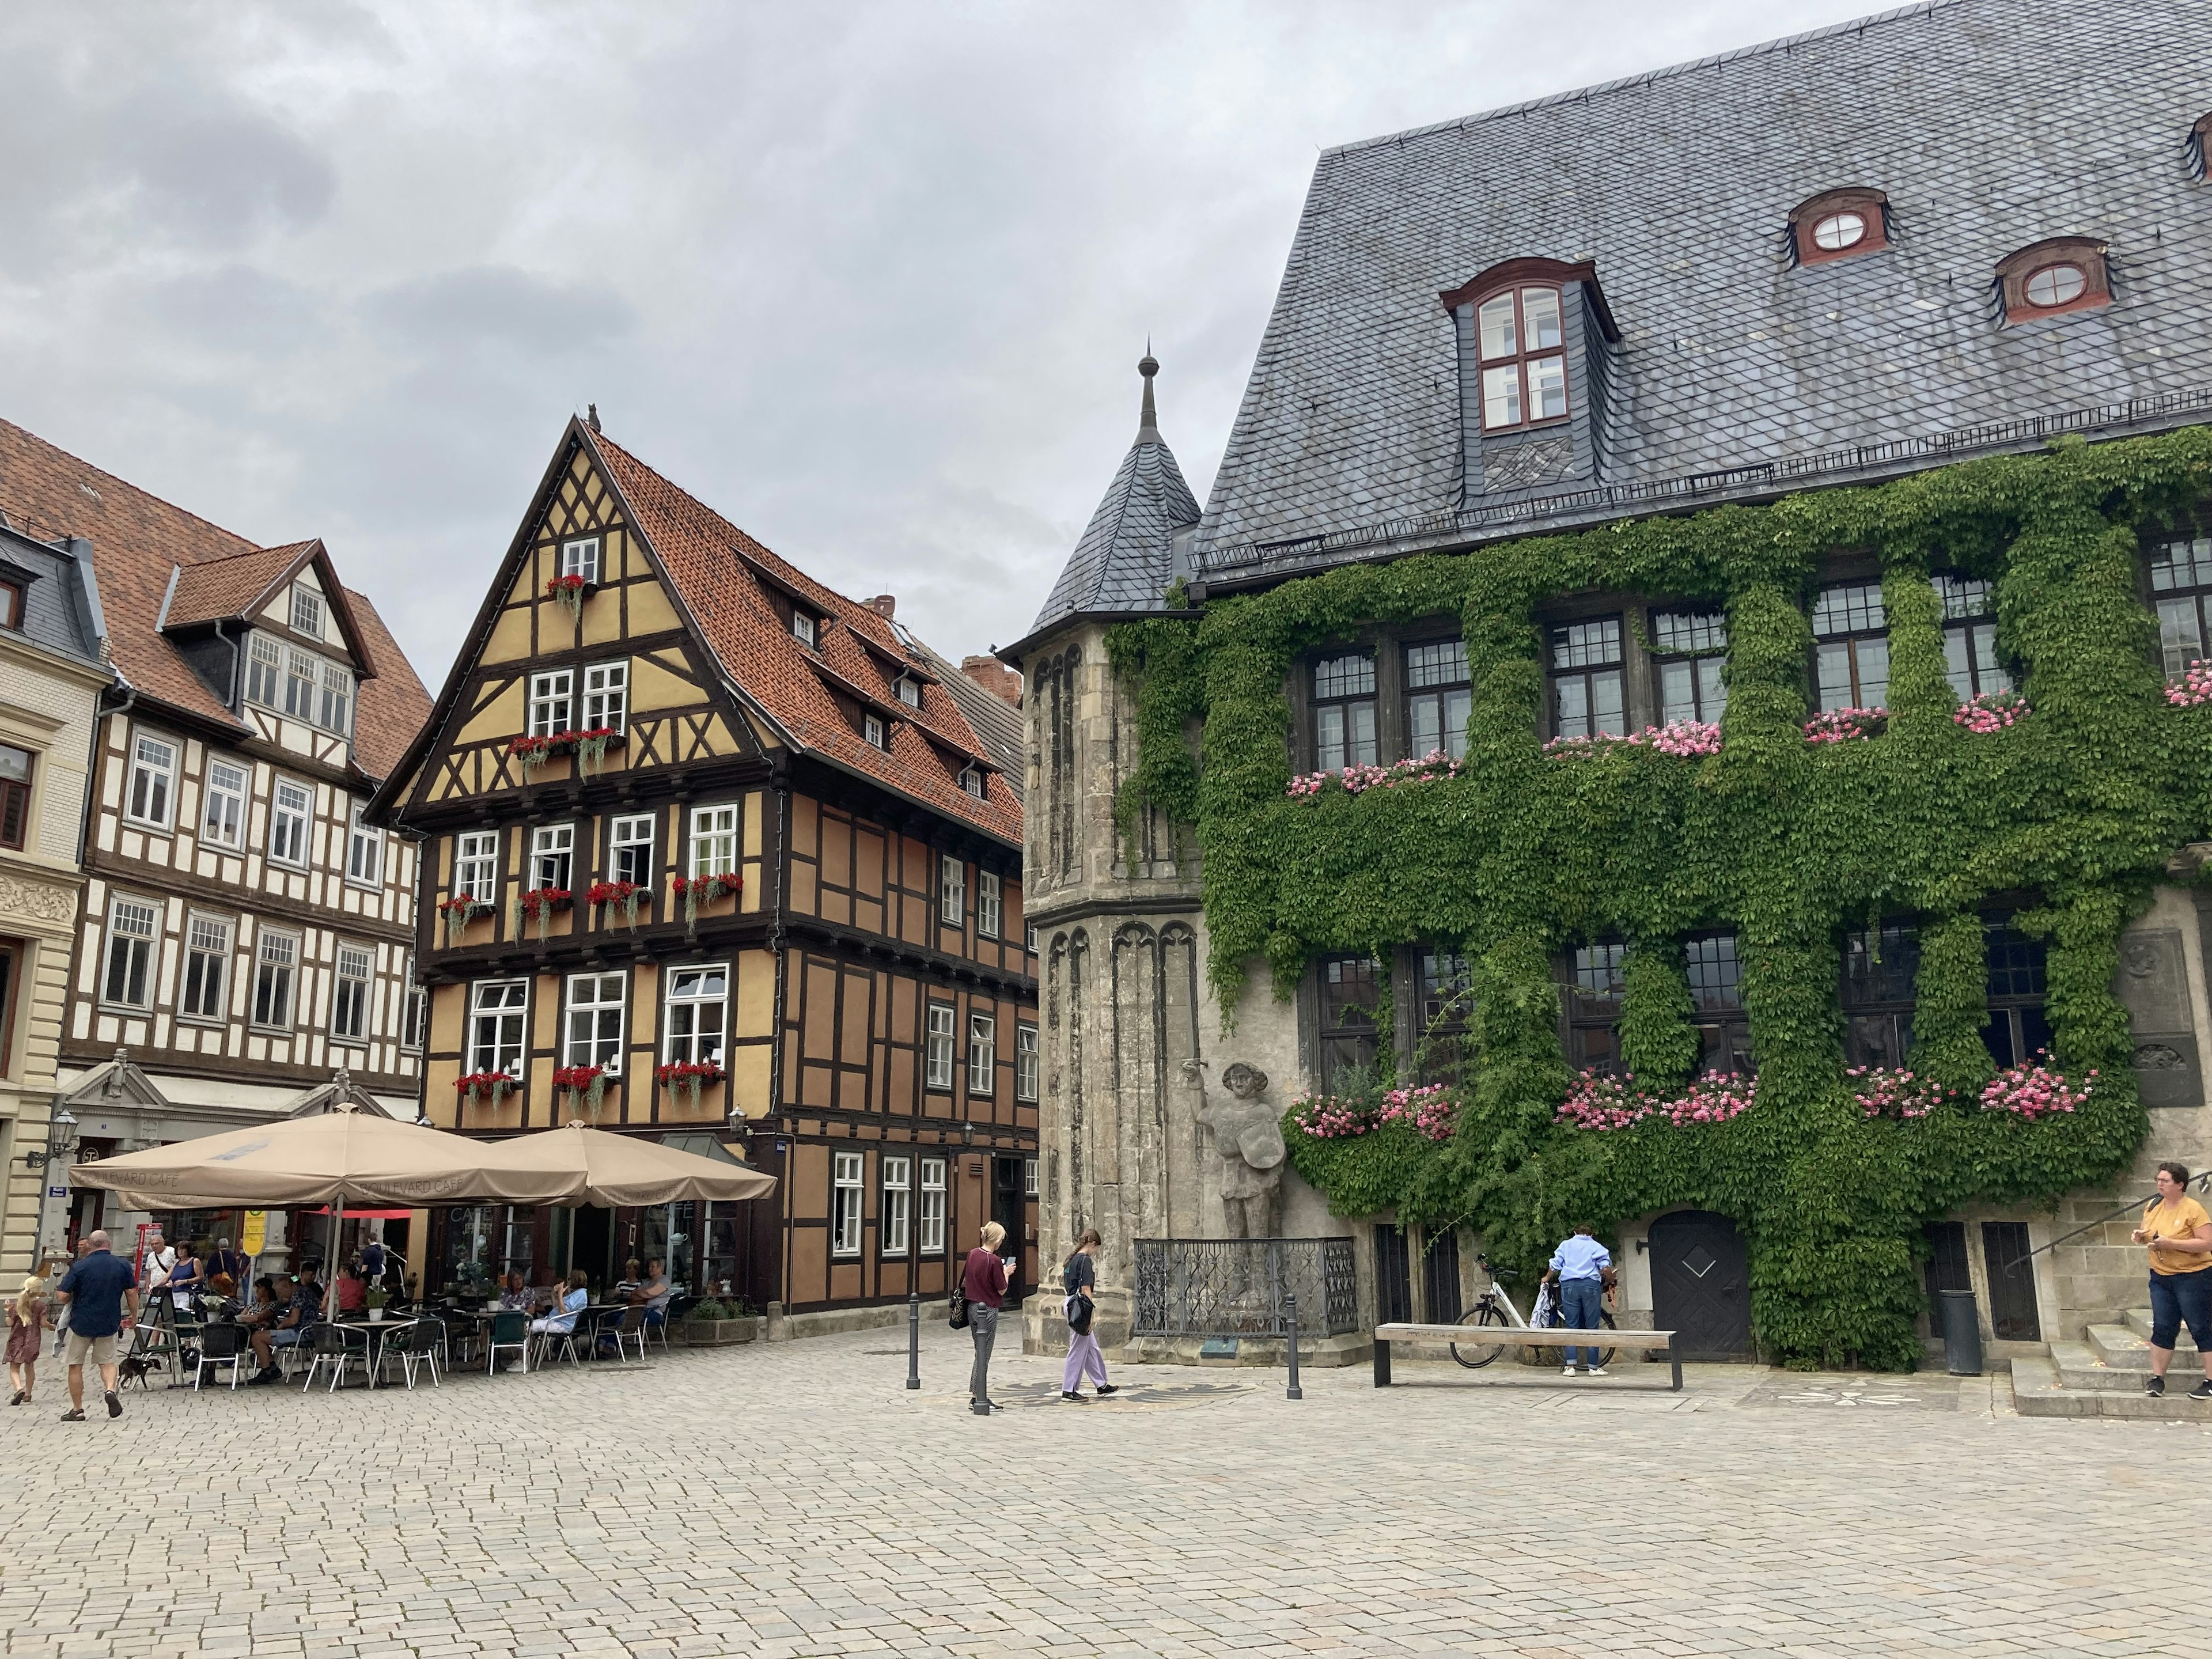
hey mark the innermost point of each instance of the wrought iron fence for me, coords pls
(1238, 1287)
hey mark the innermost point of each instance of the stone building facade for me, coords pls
(1830, 300)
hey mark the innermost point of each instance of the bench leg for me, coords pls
(1674, 1359)
(1381, 1363)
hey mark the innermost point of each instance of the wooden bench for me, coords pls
(1516, 1336)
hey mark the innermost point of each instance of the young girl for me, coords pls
(26, 1320)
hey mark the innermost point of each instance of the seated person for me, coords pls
(353, 1290)
(632, 1281)
(574, 1301)
(294, 1315)
(655, 1292)
(514, 1294)
(265, 1306)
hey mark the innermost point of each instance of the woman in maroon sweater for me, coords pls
(983, 1280)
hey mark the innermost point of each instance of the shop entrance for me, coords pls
(1006, 1210)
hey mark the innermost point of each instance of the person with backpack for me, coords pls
(1080, 1278)
(983, 1289)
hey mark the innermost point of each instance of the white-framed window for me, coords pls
(133, 927)
(891, 1224)
(845, 1215)
(415, 1014)
(336, 712)
(550, 696)
(606, 696)
(153, 780)
(291, 810)
(933, 1205)
(1029, 1177)
(871, 731)
(971, 780)
(951, 890)
(629, 849)
(907, 690)
(306, 611)
(939, 1058)
(593, 1035)
(1026, 1061)
(350, 999)
(222, 803)
(989, 904)
(302, 671)
(496, 1007)
(1028, 939)
(713, 839)
(364, 849)
(552, 854)
(275, 974)
(697, 1000)
(476, 865)
(803, 629)
(581, 557)
(983, 1054)
(207, 968)
(265, 671)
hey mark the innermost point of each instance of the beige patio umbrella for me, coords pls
(590, 1166)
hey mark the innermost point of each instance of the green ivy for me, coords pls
(1792, 844)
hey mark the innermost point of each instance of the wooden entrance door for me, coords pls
(1700, 1285)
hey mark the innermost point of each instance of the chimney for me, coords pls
(994, 676)
(884, 606)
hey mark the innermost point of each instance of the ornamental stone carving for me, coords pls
(37, 900)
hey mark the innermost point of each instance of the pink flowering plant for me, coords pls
(1359, 778)
(2193, 688)
(1430, 1109)
(1687, 738)
(1991, 711)
(2034, 1090)
(1843, 724)
(1883, 1091)
(1598, 1101)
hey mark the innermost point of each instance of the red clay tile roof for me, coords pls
(137, 541)
(718, 572)
(219, 589)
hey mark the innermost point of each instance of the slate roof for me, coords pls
(138, 542)
(722, 576)
(1990, 125)
(1125, 559)
(990, 716)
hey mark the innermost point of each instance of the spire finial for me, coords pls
(1148, 425)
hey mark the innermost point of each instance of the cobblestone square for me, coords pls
(797, 1500)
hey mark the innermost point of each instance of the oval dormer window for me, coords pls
(2049, 279)
(1836, 224)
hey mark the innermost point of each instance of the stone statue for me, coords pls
(1248, 1139)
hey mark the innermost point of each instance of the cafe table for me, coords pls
(373, 1334)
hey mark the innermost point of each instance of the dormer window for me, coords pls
(307, 612)
(971, 780)
(909, 690)
(1524, 371)
(2051, 278)
(1839, 223)
(872, 729)
(803, 629)
(2194, 151)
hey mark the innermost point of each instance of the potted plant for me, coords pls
(458, 912)
(538, 904)
(688, 1077)
(586, 1086)
(591, 746)
(695, 891)
(493, 1086)
(628, 894)
(569, 592)
(375, 1299)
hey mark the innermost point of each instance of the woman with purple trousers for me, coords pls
(1080, 1278)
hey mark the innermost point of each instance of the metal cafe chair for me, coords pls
(626, 1327)
(510, 1330)
(222, 1343)
(413, 1348)
(329, 1345)
(676, 1308)
(573, 1343)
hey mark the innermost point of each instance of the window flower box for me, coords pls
(492, 1087)
(1991, 711)
(1844, 725)
(570, 591)
(589, 745)
(583, 1086)
(539, 905)
(695, 891)
(629, 895)
(2194, 688)
(458, 912)
(687, 1077)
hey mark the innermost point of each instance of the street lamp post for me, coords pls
(61, 1144)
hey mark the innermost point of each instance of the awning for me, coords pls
(370, 1215)
(591, 1166)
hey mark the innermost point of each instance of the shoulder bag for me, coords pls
(959, 1300)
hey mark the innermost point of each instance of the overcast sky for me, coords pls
(872, 280)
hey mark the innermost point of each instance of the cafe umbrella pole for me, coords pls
(331, 1259)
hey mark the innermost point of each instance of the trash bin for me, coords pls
(1962, 1334)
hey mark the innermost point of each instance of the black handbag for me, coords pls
(1081, 1310)
(959, 1304)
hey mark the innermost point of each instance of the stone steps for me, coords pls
(2074, 1382)
(2124, 1348)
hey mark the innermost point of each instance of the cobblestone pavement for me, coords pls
(797, 1500)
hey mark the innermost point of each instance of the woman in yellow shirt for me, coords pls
(2179, 1235)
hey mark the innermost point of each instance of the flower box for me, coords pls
(458, 913)
(687, 1077)
(490, 1087)
(721, 1333)
(582, 1086)
(695, 891)
(570, 591)
(629, 895)
(539, 905)
(1845, 724)
(588, 744)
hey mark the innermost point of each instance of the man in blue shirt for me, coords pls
(97, 1289)
(1581, 1266)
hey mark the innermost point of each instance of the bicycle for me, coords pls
(1494, 1310)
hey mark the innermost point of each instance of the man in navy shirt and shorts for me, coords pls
(101, 1290)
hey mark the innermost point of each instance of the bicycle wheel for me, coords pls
(1475, 1355)
(1605, 1320)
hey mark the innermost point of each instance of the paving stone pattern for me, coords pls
(797, 1500)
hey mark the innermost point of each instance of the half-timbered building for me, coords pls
(717, 855)
(243, 933)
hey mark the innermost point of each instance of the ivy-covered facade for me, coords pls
(1785, 864)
